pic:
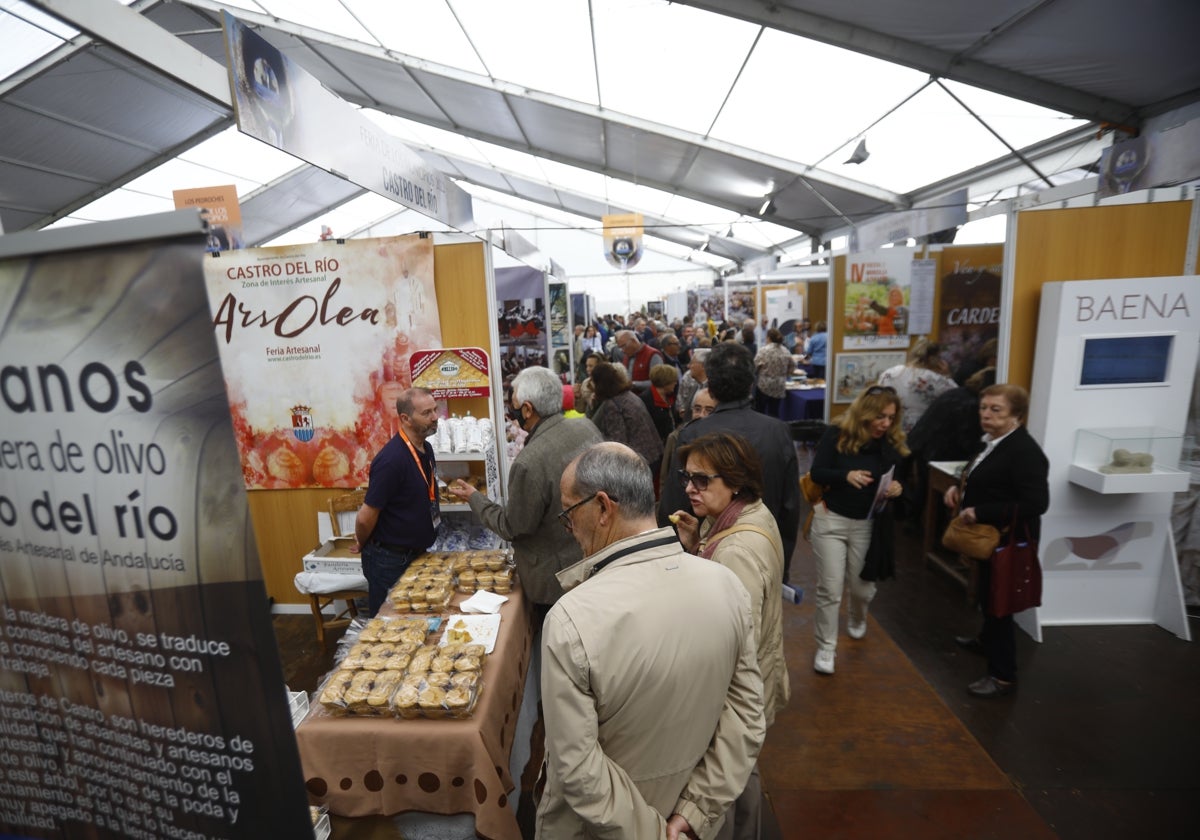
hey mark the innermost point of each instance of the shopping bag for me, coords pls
(1016, 581)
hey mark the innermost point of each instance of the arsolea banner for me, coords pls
(315, 342)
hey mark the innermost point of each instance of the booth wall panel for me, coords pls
(285, 521)
(1088, 243)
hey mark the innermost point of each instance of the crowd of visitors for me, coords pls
(660, 467)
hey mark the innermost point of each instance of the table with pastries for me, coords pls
(360, 766)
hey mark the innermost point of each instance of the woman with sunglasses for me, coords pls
(854, 455)
(723, 480)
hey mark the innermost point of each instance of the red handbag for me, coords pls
(1016, 581)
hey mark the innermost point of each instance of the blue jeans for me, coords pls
(382, 567)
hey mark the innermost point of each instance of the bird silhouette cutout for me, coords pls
(1096, 552)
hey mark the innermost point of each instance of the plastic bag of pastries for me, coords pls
(466, 581)
(374, 630)
(332, 693)
(502, 581)
(358, 656)
(380, 698)
(422, 659)
(359, 689)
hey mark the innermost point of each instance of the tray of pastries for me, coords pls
(410, 681)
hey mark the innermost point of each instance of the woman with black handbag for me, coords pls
(1006, 485)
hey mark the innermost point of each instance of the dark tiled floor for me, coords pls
(1102, 740)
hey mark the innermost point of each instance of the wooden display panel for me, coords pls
(285, 522)
(1088, 243)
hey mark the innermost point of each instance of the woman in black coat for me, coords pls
(1008, 480)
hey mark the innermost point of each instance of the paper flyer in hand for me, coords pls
(881, 490)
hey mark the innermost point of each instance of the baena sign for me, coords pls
(1135, 307)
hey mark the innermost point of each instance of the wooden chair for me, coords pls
(351, 501)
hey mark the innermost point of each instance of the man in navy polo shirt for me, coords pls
(400, 516)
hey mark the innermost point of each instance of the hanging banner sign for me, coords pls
(141, 693)
(221, 211)
(279, 102)
(457, 372)
(938, 214)
(623, 239)
(315, 341)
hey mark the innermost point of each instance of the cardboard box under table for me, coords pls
(362, 766)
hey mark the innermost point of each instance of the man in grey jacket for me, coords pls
(651, 690)
(530, 520)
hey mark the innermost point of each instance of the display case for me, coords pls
(1129, 459)
(465, 447)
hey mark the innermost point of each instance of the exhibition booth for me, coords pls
(182, 427)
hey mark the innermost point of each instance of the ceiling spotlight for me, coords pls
(768, 206)
(860, 152)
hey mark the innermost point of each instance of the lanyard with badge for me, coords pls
(435, 512)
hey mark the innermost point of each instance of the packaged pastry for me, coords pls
(377, 656)
(443, 663)
(404, 701)
(468, 663)
(422, 658)
(359, 689)
(464, 679)
(431, 698)
(358, 656)
(386, 684)
(333, 693)
(373, 630)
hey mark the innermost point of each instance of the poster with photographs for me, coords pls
(877, 301)
(521, 319)
(560, 328)
(855, 371)
(741, 306)
(709, 305)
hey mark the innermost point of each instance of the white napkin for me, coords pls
(483, 602)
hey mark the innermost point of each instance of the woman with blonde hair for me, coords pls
(859, 450)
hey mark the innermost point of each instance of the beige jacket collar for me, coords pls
(576, 574)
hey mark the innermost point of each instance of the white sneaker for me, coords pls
(856, 629)
(823, 664)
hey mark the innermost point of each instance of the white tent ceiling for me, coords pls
(554, 112)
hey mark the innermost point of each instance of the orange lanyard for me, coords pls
(420, 466)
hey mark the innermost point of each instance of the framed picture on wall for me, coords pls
(855, 371)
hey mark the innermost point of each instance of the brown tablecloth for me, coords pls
(360, 766)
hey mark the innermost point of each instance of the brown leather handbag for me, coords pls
(975, 540)
(812, 493)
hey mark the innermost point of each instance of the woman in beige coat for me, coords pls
(723, 480)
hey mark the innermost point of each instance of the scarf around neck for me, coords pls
(728, 517)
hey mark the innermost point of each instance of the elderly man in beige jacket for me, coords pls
(652, 697)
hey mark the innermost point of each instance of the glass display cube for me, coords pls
(1128, 459)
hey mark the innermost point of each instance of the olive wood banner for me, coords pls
(141, 693)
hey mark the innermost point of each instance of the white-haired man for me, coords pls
(530, 519)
